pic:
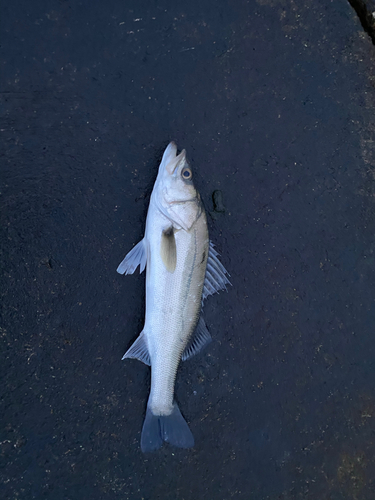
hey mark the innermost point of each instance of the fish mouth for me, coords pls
(173, 163)
(171, 160)
(179, 202)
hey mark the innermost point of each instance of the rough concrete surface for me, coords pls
(274, 102)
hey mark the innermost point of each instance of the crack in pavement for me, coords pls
(365, 10)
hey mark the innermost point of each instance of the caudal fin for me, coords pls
(171, 428)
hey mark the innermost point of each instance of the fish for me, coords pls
(182, 269)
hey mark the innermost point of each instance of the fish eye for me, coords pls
(187, 174)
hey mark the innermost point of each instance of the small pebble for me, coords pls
(217, 198)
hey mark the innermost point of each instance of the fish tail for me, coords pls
(170, 428)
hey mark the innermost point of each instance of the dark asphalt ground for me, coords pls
(274, 102)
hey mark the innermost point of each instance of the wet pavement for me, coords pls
(274, 103)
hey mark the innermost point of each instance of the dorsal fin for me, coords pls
(199, 339)
(216, 275)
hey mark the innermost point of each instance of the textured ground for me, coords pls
(273, 100)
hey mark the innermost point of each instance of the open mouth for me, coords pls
(173, 164)
(179, 202)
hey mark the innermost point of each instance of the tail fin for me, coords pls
(171, 428)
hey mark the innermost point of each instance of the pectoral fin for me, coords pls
(216, 275)
(200, 339)
(168, 249)
(136, 257)
(139, 350)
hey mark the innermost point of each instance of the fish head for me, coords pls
(174, 191)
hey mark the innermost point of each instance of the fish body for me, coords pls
(173, 306)
(181, 269)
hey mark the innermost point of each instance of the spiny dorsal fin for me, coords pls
(168, 249)
(216, 275)
(139, 350)
(199, 339)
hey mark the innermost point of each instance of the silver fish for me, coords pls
(182, 270)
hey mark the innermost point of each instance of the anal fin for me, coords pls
(139, 350)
